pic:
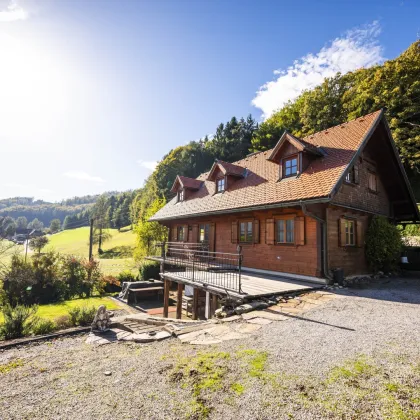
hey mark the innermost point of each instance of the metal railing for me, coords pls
(195, 263)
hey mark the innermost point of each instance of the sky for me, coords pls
(94, 92)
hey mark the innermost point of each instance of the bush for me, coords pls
(383, 245)
(125, 276)
(18, 321)
(43, 326)
(62, 322)
(82, 315)
(112, 285)
(150, 270)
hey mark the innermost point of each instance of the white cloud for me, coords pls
(83, 176)
(148, 164)
(13, 12)
(355, 49)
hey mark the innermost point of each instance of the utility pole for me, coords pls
(91, 239)
(26, 247)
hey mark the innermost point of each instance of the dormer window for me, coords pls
(290, 166)
(181, 195)
(220, 185)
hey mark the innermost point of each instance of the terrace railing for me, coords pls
(195, 263)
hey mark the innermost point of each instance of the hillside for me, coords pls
(117, 254)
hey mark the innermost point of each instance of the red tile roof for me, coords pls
(261, 187)
(190, 183)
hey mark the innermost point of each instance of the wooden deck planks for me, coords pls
(253, 285)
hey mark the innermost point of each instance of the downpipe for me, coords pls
(324, 260)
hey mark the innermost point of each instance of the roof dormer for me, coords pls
(222, 173)
(182, 185)
(293, 155)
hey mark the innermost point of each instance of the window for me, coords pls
(204, 233)
(285, 231)
(290, 166)
(220, 185)
(181, 233)
(372, 182)
(245, 232)
(350, 176)
(350, 239)
(181, 195)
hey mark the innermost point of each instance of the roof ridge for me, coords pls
(339, 125)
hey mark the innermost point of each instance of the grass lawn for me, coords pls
(118, 249)
(54, 310)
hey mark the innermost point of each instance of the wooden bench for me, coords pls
(140, 290)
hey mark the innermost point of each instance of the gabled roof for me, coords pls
(227, 169)
(185, 182)
(300, 144)
(261, 188)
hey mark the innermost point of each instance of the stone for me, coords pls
(148, 337)
(259, 321)
(248, 307)
(107, 373)
(231, 318)
(248, 328)
(263, 314)
(101, 322)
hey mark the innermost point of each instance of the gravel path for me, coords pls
(65, 379)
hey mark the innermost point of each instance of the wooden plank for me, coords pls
(207, 309)
(214, 299)
(179, 301)
(195, 304)
(166, 298)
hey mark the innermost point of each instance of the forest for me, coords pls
(394, 85)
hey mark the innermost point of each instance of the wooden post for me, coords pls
(195, 304)
(166, 298)
(214, 299)
(179, 301)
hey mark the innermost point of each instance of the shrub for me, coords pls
(125, 276)
(18, 321)
(62, 322)
(150, 270)
(82, 315)
(383, 244)
(42, 326)
(112, 285)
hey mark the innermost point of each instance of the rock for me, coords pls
(248, 307)
(107, 373)
(259, 321)
(101, 321)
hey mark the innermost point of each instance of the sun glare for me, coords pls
(34, 89)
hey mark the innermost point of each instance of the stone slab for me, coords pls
(260, 321)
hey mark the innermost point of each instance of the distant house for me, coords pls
(35, 233)
(300, 209)
(21, 235)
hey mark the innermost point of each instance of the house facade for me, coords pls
(300, 209)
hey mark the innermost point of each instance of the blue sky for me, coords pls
(93, 93)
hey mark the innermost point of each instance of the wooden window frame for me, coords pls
(352, 176)
(181, 195)
(373, 174)
(180, 228)
(346, 243)
(284, 218)
(288, 159)
(247, 221)
(199, 232)
(218, 190)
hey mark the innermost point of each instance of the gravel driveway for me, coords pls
(355, 356)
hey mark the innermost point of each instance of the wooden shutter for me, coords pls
(299, 230)
(194, 233)
(356, 173)
(212, 237)
(269, 231)
(342, 232)
(174, 236)
(186, 233)
(360, 234)
(281, 170)
(256, 232)
(234, 232)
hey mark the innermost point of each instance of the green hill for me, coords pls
(117, 254)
